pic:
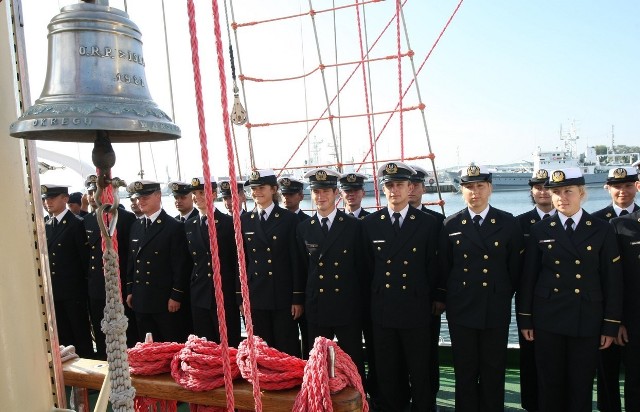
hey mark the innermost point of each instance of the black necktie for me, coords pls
(182, 219)
(147, 223)
(263, 216)
(624, 212)
(54, 223)
(351, 213)
(324, 225)
(476, 221)
(546, 215)
(203, 222)
(396, 222)
(569, 227)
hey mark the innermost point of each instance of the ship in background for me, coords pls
(516, 176)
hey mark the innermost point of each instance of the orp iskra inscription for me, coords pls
(97, 51)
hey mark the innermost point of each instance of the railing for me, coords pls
(90, 374)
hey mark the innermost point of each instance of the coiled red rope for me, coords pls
(152, 358)
(198, 366)
(276, 370)
(317, 386)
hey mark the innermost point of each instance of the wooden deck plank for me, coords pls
(89, 373)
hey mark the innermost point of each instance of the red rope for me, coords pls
(236, 207)
(213, 240)
(152, 358)
(276, 370)
(417, 72)
(376, 190)
(344, 84)
(107, 197)
(317, 386)
(198, 366)
(400, 96)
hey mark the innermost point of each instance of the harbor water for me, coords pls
(515, 202)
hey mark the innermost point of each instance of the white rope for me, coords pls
(67, 353)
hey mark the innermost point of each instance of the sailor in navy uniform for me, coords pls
(96, 268)
(437, 308)
(571, 301)
(622, 186)
(158, 268)
(225, 194)
(203, 303)
(352, 192)
(400, 255)
(183, 201)
(330, 251)
(68, 262)
(541, 198)
(627, 229)
(292, 195)
(480, 253)
(276, 283)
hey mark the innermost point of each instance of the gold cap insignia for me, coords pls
(391, 169)
(542, 174)
(321, 175)
(225, 186)
(255, 175)
(473, 171)
(175, 186)
(558, 176)
(43, 189)
(92, 178)
(285, 182)
(138, 185)
(351, 178)
(620, 173)
(195, 182)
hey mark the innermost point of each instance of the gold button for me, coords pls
(337, 290)
(320, 264)
(557, 262)
(485, 257)
(321, 290)
(388, 273)
(577, 262)
(336, 276)
(194, 253)
(388, 261)
(465, 255)
(577, 290)
(93, 267)
(209, 274)
(148, 273)
(387, 286)
(557, 276)
(53, 263)
(321, 277)
(485, 271)
(268, 249)
(256, 262)
(466, 270)
(549, 247)
(148, 263)
(93, 247)
(484, 284)
(464, 283)
(138, 261)
(275, 237)
(92, 257)
(457, 242)
(270, 273)
(414, 249)
(406, 263)
(578, 276)
(344, 251)
(379, 248)
(146, 283)
(53, 273)
(588, 247)
(335, 264)
(555, 290)
(404, 287)
(137, 271)
(253, 250)
(268, 260)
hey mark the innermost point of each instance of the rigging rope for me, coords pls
(213, 243)
(366, 99)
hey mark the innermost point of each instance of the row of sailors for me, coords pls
(388, 275)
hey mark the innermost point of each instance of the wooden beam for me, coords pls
(89, 373)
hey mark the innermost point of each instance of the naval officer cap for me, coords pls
(75, 197)
(225, 187)
(91, 183)
(142, 188)
(622, 175)
(262, 177)
(420, 176)
(475, 173)
(197, 183)
(352, 181)
(322, 178)
(290, 185)
(395, 171)
(48, 191)
(539, 177)
(179, 188)
(570, 176)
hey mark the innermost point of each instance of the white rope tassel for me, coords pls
(114, 325)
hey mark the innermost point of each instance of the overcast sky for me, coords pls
(504, 78)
